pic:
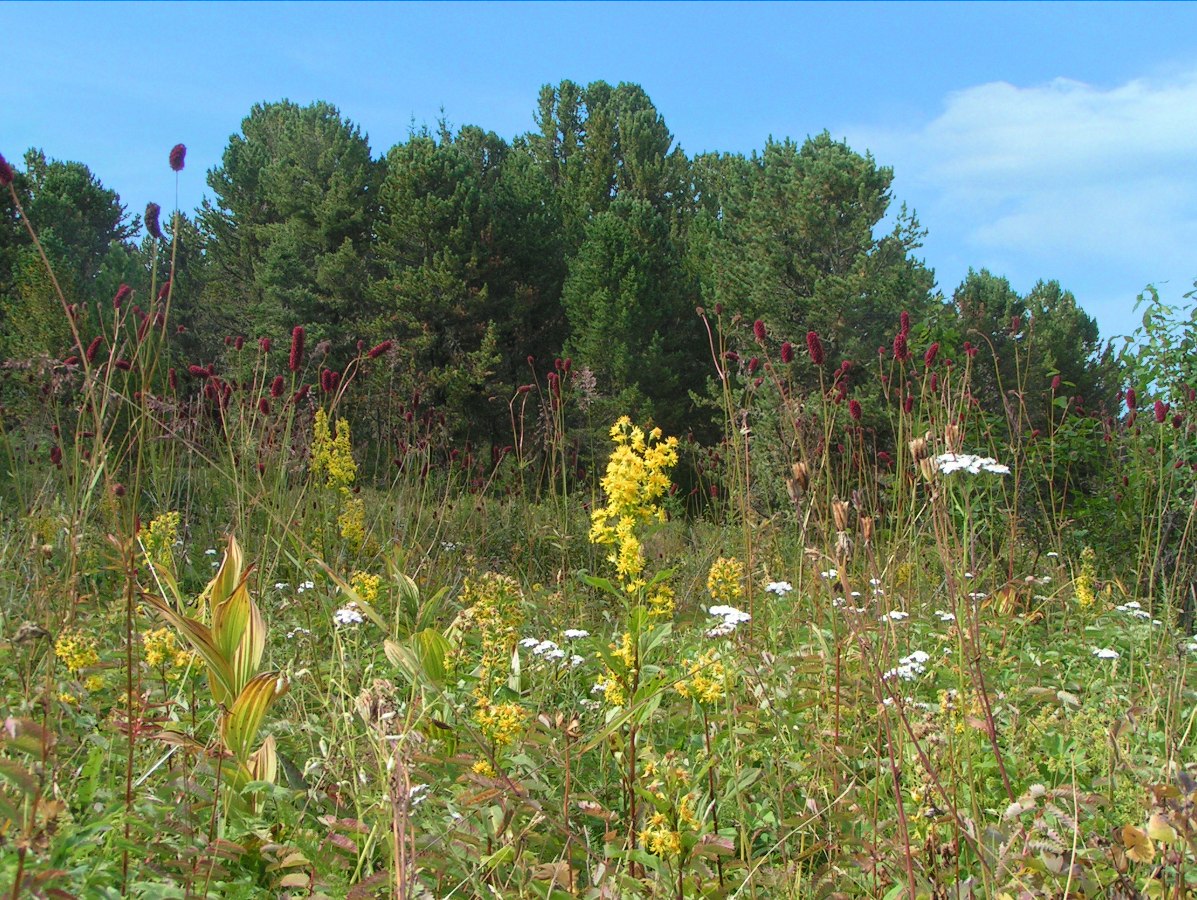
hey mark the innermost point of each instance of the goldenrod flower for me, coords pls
(76, 650)
(725, 581)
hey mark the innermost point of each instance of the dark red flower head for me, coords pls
(1161, 410)
(238, 342)
(1055, 383)
(92, 348)
(164, 291)
(787, 352)
(1130, 399)
(152, 226)
(276, 387)
(854, 409)
(56, 456)
(758, 330)
(814, 347)
(121, 295)
(901, 350)
(177, 154)
(929, 356)
(380, 349)
(295, 361)
(264, 344)
(6, 173)
(904, 322)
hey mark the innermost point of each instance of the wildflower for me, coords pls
(730, 616)
(814, 347)
(92, 348)
(787, 352)
(6, 172)
(501, 723)
(94, 683)
(854, 409)
(332, 457)
(706, 678)
(352, 522)
(725, 580)
(574, 634)
(295, 360)
(1105, 653)
(1161, 411)
(780, 588)
(829, 574)
(948, 463)
(901, 350)
(366, 586)
(896, 615)
(177, 154)
(121, 295)
(1082, 586)
(661, 602)
(929, 356)
(380, 349)
(152, 226)
(1130, 399)
(758, 330)
(635, 482)
(305, 586)
(348, 615)
(164, 291)
(76, 650)
(909, 667)
(160, 646)
(160, 536)
(945, 616)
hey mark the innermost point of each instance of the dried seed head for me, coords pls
(866, 529)
(801, 474)
(953, 438)
(839, 514)
(918, 449)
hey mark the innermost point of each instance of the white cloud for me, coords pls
(1095, 187)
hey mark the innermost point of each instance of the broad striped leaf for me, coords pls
(199, 637)
(263, 762)
(239, 728)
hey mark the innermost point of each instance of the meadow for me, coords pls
(271, 629)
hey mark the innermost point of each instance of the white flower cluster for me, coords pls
(305, 586)
(550, 650)
(947, 463)
(896, 616)
(1135, 609)
(909, 667)
(945, 616)
(780, 588)
(348, 615)
(1105, 653)
(574, 634)
(731, 618)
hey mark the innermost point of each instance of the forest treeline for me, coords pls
(594, 238)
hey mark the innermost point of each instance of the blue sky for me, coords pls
(1051, 140)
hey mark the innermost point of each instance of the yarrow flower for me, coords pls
(348, 615)
(896, 615)
(730, 616)
(948, 463)
(909, 667)
(574, 634)
(1105, 653)
(780, 588)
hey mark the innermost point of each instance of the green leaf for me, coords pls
(199, 637)
(239, 727)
